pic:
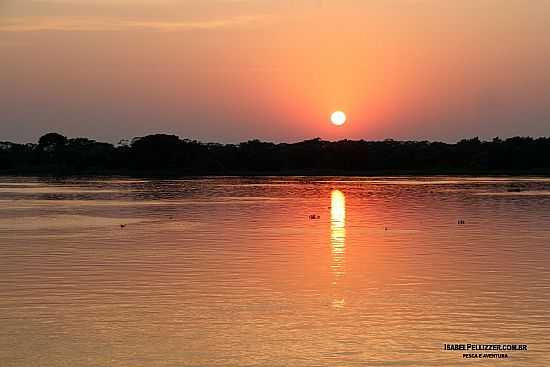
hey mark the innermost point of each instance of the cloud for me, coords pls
(53, 23)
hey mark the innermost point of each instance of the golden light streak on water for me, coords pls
(338, 242)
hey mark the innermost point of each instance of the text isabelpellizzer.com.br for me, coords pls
(491, 351)
(484, 347)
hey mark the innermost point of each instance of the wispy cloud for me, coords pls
(53, 23)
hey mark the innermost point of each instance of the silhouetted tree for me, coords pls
(52, 141)
(156, 151)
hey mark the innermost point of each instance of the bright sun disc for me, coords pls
(338, 118)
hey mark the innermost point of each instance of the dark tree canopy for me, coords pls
(52, 140)
(162, 154)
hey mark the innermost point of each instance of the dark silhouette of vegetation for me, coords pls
(162, 154)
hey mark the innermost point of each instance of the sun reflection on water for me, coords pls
(338, 233)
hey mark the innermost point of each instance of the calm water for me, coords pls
(233, 272)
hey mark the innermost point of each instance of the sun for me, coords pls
(338, 118)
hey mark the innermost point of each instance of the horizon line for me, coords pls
(201, 141)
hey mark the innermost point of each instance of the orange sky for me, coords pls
(231, 70)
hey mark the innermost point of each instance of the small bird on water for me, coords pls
(122, 226)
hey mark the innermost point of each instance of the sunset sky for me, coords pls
(232, 70)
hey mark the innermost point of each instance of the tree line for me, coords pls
(171, 155)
